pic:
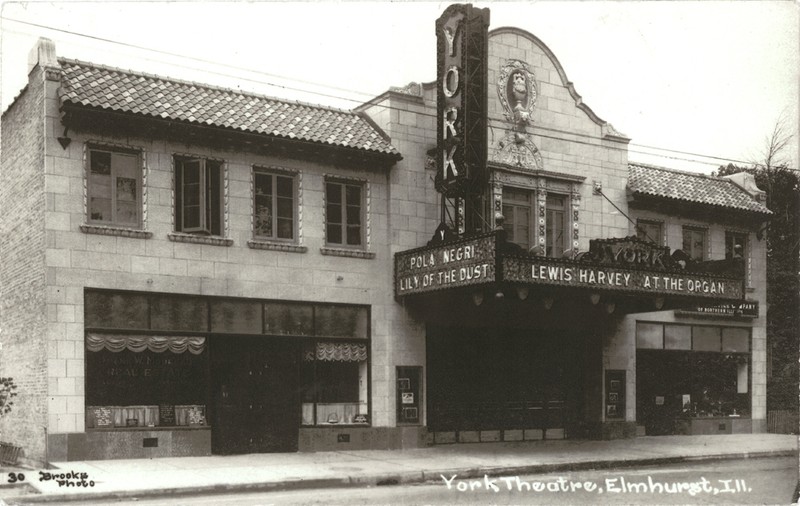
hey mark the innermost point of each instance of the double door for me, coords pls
(255, 383)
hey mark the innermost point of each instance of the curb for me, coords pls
(390, 479)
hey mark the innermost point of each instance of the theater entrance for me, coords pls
(506, 379)
(255, 382)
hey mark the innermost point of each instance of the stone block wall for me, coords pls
(570, 138)
(755, 289)
(413, 202)
(77, 260)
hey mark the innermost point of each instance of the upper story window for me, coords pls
(650, 231)
(274, 205)
(518, 212)
(556, 225)
(520, 215)
(198, 196)
(735, 245)
(694, 243)
(344, 213)
(114, 188)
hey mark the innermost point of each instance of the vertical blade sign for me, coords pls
(462, 47)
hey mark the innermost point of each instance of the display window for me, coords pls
(688, 373)
(335, 383)
(148, 363)
(145, 381)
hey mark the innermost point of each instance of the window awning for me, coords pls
(338, 352)
(138, 343)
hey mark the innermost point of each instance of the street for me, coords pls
(754, 481)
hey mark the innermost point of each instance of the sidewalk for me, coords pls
(186, 475)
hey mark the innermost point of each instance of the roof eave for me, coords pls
(68, 106)
(645, 198)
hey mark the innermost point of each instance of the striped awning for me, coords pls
(338, 352)
(138, 343)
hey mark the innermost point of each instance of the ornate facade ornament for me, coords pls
(516, 88)
(517, 149)
(413, 88)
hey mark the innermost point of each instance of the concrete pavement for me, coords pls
(203, 475)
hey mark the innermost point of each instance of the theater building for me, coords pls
(190, 270)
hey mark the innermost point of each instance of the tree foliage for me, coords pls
(782, 187)
(7, 392)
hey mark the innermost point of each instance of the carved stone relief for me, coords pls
(518, 149)
(516, 89)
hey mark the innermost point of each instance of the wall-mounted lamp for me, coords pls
(659, 302)
(760, 233)
(594, 298)
(64, 140)
(547, 302)
(610, 307)
(477, 298)
(523, 292)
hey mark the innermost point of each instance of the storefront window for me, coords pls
(147, 362)
(702, 371)
(736, 339)
(649, 335)
(705, 338)
(116, 311)
(677, 337)
(145, 381)
(335, 383)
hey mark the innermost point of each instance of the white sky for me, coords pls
(708, 78)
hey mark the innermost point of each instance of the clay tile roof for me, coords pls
(690, 187)
(120, 90)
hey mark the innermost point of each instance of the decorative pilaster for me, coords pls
(143, 159)
(497, 201)
(575, 202)
(299, 177)
(541, 204)
(225, 204)
(461, 213)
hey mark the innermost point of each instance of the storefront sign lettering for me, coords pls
(748, 309)
(464, 263)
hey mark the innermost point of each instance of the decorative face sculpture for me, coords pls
(519, 88)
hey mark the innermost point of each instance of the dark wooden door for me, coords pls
(256, 401)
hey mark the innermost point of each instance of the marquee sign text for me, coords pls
(461, 263)
(611, 278)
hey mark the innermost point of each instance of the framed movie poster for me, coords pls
(615, 394)
(409, 395)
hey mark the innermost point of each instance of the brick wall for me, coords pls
(22, 269)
